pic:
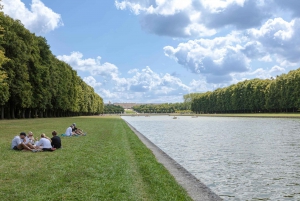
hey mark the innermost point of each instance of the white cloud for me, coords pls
(280, 38)
(266, 58)
(39, 19)
(214, 58)
(90, 80)
(94, 66)
(277, 70)
(175, 18)
(194, 18)
(137, 85)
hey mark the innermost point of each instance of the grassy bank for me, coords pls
(110, 163)
(267, 115)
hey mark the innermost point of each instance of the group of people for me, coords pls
(73, 131)
(28, 143)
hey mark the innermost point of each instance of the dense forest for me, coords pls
(34, 83)
(280, 94)
(113, 109)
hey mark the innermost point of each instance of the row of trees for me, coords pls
(113, 109)
(163, 108)
(281, 94)
(34, 83)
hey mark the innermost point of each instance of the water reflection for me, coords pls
(238, 158)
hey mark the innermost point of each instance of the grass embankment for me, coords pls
(110, 163)
(267, 115)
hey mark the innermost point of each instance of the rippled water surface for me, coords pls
(238, 158)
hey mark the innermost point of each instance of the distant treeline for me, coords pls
(163, 108)
(113, 109)
(280, 94)
(34, 83)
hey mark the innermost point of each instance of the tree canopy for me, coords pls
(280, 94)
(113, 109)
(34, 83)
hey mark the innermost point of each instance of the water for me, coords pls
(238, 158)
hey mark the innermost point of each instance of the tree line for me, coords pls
(280, 94)
(163, 108)
(34, 83)
(113, 109)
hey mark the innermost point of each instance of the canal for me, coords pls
(237, 158)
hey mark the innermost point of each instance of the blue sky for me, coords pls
(156, 51)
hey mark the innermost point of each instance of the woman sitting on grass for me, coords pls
(29, 139)
(77, 131)
(45, 143)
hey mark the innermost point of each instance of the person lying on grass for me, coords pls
(77, 131)
(45, 144)
(18, 143)
(55, 140)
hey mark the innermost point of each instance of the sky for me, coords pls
(156, 51)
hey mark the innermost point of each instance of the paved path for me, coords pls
(195, 188)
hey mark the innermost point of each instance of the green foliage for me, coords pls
(34, 83)
(162, 108)
(110, 163)
(113, 109)
(253, 96)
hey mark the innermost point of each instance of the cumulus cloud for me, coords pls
(280, 38)
(239, 13)
(215, 58)
(39, 19)
(193, 18)
(93, 66)
(136, 84)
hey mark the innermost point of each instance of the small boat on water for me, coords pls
(194, 116)
(174, 117)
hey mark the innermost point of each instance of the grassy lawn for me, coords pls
(129, 111)
(110, 163)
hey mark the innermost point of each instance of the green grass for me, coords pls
(129, 111)
(110, 163)
(269, 115)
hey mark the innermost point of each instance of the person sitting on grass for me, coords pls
(69, 131)
(29, 139)
(18, 143)
(55, 140)
(45, 143)
(77, 131)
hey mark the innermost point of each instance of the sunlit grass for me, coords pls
(283, 115)
(110, 163)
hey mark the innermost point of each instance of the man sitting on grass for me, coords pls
(18, 143)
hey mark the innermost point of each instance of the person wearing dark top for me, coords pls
(74, 129)
(56, 142)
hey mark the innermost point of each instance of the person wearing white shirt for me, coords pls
(45, 143)
(29, 139)
(18, 143)
(69, 131)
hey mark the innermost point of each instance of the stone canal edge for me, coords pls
(194, 187)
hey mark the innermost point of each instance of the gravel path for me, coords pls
(195, 188)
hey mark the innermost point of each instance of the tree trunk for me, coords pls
(2, 111)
